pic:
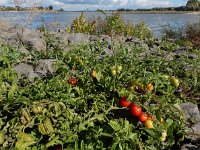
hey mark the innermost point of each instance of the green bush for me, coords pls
(112, 25)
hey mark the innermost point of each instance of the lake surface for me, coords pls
(63, 19)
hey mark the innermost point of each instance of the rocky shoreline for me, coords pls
(23, 39)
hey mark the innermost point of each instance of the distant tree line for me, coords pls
(18, 8)
(191, 5)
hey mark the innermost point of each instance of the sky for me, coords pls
(98, 4)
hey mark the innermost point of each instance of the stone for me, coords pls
(78, 38)
(191, 111)
(192, 117)
(26, 70)
(134, 40)
(108, 51)
(192, 56)
(94, 38)
(46, 66)
(34, 39)
(106, 38)
(189, 147)
(23, 50)
(14, 36)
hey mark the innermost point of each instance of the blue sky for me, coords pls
(98, 4)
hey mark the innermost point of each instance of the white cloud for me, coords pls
(94, 4)
(152, 3)
(3, 2)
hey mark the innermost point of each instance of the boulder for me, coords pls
(78, 38)
(23, 50)
(26, 70)
(189, 147)
(34, 39)
(94, 38)
(192, 117)
(106, 38)
(108, 51)
(46, 66)
(14, 36)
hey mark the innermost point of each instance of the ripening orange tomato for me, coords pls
(94, 74)
(149, 124)
(149, 87)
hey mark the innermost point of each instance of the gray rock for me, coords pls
(63, 38)
(189, 147)
(106, 38)
(23, 69)
(78, 38)
(192, 117)
(145, 46)
(192, 56)
(168, 57)
(193, 132)
(119, 39)
(46, 66)
(24, 50)
(94, 38)
(134, 40)
(14, 36)
(108, 51)
(34, 39)
(184, 52)
(191, 111)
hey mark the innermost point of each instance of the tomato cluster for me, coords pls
(136, 111)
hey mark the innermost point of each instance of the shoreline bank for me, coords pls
(122, 12)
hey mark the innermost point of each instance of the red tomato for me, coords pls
(59, 147)
(143, 117)
(124, 103)
(135, 110)
(72, 81)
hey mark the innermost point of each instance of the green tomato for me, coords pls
(25, 116)
(1, 137)
(48, 126)
(113, 72)
(175, 82)
(166, 77)
(119, 69)
(42, 129)
(37, 109)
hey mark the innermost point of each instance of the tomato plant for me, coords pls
(79, 105)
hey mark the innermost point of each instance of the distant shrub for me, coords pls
(189, 32)
(174, 32)
(111, 25)
(193, 33)
(81, 25)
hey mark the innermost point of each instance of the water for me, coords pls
(63, 19)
